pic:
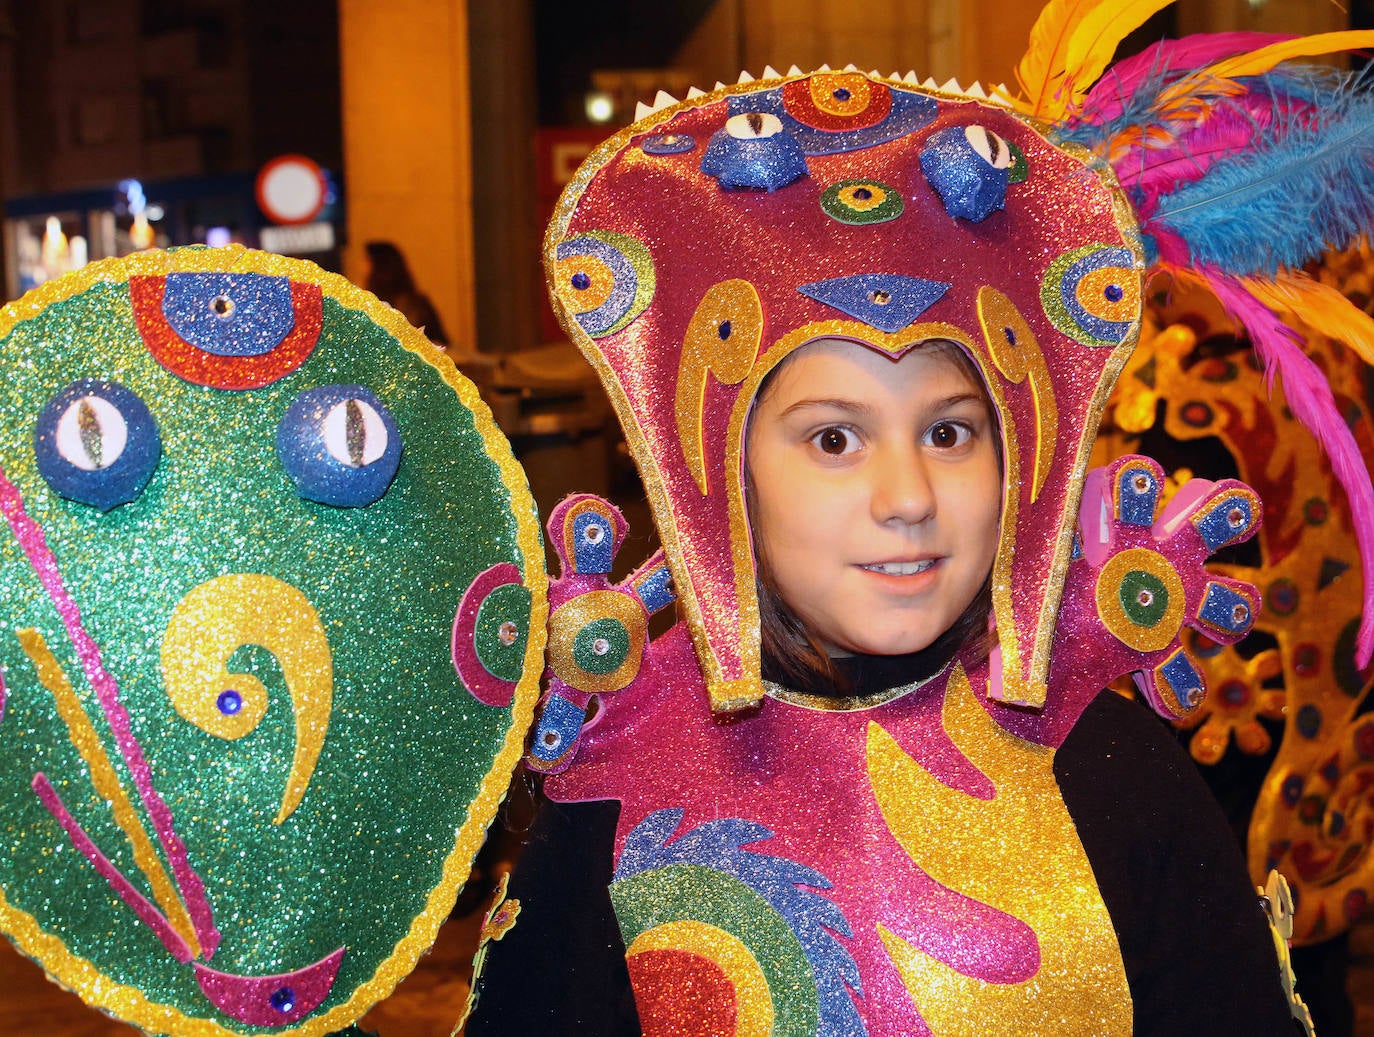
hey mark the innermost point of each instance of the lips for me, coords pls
(900, 568)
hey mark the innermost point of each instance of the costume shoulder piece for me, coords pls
(241, 779)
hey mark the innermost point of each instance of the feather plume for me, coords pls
(1305, 183)
(1319, 307)
(1041, 72)
(1258, 62)
(1093, 42)
(1309, 397)
(1165, 62)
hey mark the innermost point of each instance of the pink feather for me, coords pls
(1158, 61)
(1309, 397)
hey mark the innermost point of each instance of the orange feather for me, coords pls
(1259, 61)
(1041, 71)
(1320, 307)
(1093, 42)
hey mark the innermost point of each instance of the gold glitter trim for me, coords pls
(106, 782)
(1113, 613)
(850, 703)
(217, 618)
(128, 1003)
(722, 339)
(753, 999)
(1019, 853)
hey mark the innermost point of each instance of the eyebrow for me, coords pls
(860, 408)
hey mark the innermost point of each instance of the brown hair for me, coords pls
(790, 651)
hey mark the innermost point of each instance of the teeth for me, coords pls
(951, 86)
(930, 84)
(745, 77)
(694, 92)
(851, 67)
(976, 90)
(901, 568)
(823, 68)
(663, 99)
(875, 73)
(794, 71)
(769, 72)
(642, 111)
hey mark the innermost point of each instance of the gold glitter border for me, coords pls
(83, 978)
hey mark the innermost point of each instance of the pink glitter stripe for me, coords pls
(146, 912)
(35, 547)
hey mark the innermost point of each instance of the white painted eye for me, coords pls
(91, 434)
(990, 147)
(753, 125)
(354, 433)
(593, 533)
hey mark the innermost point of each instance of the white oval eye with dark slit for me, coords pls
(989, 146)
(354, 433)
(339, 445)
(753, 125)
(96, 443)
(91, 433)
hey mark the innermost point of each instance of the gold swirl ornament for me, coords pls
(212, 622)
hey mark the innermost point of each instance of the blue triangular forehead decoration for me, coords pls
(888, 302)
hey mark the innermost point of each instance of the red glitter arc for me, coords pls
(680, 994)
(225, 372)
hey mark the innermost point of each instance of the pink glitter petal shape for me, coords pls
(483, 686)
(270, 1000)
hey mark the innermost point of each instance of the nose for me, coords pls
(901, 492)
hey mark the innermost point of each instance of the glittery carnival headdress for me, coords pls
(700, 246)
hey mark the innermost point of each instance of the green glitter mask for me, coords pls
(241, 781)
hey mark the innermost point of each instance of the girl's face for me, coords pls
(877, 493)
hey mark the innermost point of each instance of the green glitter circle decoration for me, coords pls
(861, 201)
(217, 693)
(601, 646)
(1144, 598)
(503, 631)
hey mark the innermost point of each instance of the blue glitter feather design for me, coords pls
(813, 918)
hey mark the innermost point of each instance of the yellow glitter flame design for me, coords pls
(1017, 852)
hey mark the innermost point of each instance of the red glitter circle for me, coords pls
(680, 994)
(225, 372)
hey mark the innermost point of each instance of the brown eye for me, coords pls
(833, 440)
(945, 435)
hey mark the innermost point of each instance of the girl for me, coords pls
(859, 335)
(875, 493)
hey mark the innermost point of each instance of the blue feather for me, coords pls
(1305, 184)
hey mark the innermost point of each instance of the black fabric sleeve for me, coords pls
(561, 969)
(1196, 945)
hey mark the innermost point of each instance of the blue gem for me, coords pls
(667, 144)
(888, 302)
(1309, 721)
(724, 330)
(841, 94)
(1114, 293)
(862, 193)
(283, 1000)
(229, 702)
(233, 315)
(1010, 336)
(581, 281)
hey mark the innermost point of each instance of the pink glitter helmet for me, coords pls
(697, 248)
(704, 243)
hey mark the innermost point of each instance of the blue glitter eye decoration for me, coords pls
(1092, 294)
(340, 445)
(755, 151)
(234, 315)
(969, 167)
(96, 443)
(605, 280)
(667, 144)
